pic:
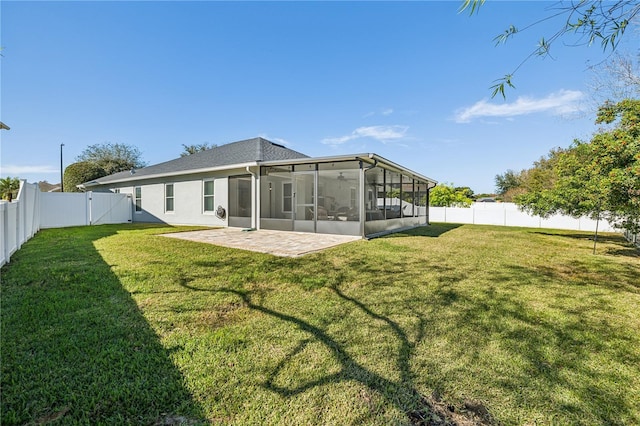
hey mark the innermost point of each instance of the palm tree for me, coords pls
(9, 187)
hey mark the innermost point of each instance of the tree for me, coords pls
(81, 172)
(445, 195)
(616, 155)
(464, 190)
(600, 178)
(592, 20)
(9, 188)
(511, 185)
(509, 180)
(112, 157)
(192, 149)
(615, 79)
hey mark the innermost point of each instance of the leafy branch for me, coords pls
(592, 20)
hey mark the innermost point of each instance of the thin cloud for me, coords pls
(11, 169)
(564, 102)
(385, 112)
(383, 134)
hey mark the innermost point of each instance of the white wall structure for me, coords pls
(59, 210)
(188, 200)
(19, 220)
(33, 210)
(508, 214)
(632, 238)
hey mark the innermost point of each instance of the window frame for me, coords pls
(137, 197)
(289, 197)
(205, 196)
(171, 197)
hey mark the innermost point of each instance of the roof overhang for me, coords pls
(134, 177)
(369, 158)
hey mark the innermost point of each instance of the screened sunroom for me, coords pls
(350, 195)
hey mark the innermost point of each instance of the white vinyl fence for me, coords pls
(508, 214)
(19, 220)
(62, 209)
(33, 210)
(632, 238)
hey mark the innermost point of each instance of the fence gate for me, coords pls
(59, 210)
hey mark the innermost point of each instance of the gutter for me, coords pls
(369, 158)
(398, 168)
(166, 174)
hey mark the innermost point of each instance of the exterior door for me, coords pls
(240, 201)
(303, 199)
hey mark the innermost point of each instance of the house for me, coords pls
(258, 184)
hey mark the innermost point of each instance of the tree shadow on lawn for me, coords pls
(621, 247)
(75, 346)
(549, 360)
(554, 371)
(422, 410)
(574, 357)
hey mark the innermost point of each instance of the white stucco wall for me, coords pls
(188, 199)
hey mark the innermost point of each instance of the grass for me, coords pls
(459, 324)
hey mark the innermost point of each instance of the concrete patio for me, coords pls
(277, 243)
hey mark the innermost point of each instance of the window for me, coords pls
(339, 182)
(168, 197)
(138, 191)
(116, 190)
(208, 196)
(287, 199)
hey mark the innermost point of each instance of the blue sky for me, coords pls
(406, 80)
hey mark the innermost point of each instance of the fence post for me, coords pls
(18, 223)
(90, 198)
(130, 204)
(20, 216)
(4, 257)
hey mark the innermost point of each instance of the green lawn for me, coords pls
(460, 324)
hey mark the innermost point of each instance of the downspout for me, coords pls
(254, 203)
(429, 202)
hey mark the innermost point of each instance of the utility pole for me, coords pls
(61, 170)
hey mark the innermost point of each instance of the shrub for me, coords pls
(81, 172)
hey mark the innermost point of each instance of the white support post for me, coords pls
(90, 201)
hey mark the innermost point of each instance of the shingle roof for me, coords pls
(241, 152)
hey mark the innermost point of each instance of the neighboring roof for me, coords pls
(246, 152)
